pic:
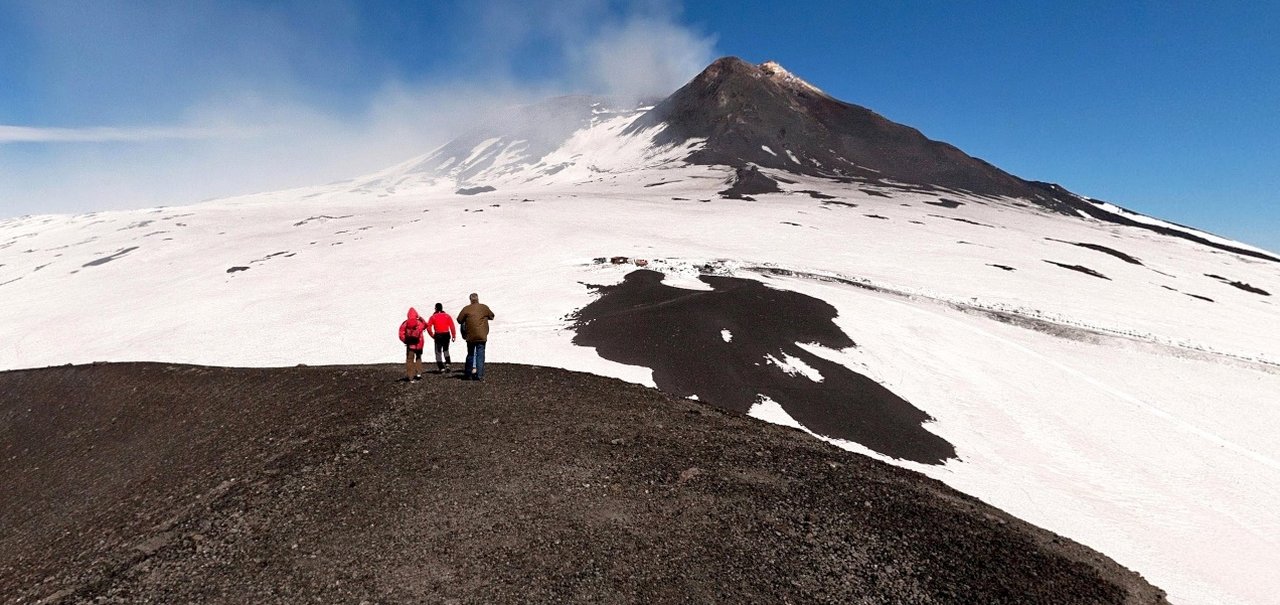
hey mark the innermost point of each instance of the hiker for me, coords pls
(411, 335)
(440, 327)
(474, 320)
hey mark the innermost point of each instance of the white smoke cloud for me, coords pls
(643, 58)
(250, 136)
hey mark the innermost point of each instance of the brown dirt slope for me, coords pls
(152, 483)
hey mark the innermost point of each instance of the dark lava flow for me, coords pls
(678, 333)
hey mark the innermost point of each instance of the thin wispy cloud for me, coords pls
(30, 134)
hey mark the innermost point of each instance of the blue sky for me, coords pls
(1165, 107)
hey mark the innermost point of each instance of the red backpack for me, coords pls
(413, 333)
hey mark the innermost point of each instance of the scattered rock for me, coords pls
(688, 475)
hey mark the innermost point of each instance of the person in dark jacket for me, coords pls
(474, 319)
(411, 335)
(440, 327)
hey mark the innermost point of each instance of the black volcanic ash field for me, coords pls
(678, 333)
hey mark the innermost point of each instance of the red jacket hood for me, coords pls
(413, 314)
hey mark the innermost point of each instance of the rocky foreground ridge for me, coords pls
(155, 483)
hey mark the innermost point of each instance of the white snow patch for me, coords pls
(726, 335)
(771, 411)
(510, 158)
(858, 360)
(794, 366)
(793, 157)
(480, 149)
(683, 277)
(767, 150)
(776, 71)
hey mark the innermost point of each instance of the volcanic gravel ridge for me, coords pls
(157, 483)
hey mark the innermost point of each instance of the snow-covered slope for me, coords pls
(573, 139)
(1108, 382)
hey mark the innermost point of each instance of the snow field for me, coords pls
(1146, 430)
(1091, 440)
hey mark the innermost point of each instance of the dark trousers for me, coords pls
(475, 360)
(442, 350)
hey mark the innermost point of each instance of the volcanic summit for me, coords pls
(764, 115)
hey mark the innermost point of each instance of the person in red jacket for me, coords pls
(411, 335)
(440, 327)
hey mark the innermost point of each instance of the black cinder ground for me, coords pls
(149, 483)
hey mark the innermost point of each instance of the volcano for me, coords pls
(765, 116)
(756, 245)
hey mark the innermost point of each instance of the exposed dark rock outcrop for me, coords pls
(1080, 269)
(1238, 284)
(749, 181)
(1103, 249)
(110, 257)
(151, 483)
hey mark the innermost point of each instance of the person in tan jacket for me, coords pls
(474, 320)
